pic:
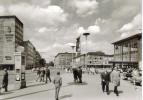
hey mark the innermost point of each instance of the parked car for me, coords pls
(137, 79)
(127, 75)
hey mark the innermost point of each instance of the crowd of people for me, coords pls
(43, 74)
(113, 77)
(107, 77)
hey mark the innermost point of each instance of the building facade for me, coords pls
(63, 60)
(11, 36)
(30, 54)
(37, 59)
(94, 59)
(128, 51)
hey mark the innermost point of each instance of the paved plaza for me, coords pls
(90, 89)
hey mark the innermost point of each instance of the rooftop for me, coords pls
(138, 35)
(98, 53)
(12, 16)
(63, 54)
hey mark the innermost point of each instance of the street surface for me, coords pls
(90, 89)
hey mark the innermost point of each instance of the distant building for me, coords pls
(11, 36)
(63, 60)
(30, 54)
(128, 51)
(94, 59)
(37, 59)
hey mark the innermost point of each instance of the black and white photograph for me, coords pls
(70, 49)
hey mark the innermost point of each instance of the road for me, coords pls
(90, 89)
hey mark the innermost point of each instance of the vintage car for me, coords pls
(127, 75)
(137, 79)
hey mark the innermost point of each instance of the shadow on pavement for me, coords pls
(119, 91)
(5, 93)
(12, 97)
(65, 96)
(36, 84)
(73, 83)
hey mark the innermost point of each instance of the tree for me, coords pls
(42, 62)
(51, 63)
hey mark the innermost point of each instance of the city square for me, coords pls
(70, 50)
(88, 90)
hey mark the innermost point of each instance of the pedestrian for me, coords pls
(58, 83)
(80, 74)
(5, 80)
(135, 75)
(38, 74)
(115, 79)
(75, 74)
(92, 70)
(47, 73)
(42, 75)
(105, 79)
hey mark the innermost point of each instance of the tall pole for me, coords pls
(72, 54)
(86, 35)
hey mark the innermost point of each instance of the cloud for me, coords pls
(52, 14)
(135, 24)
(81, 30)
(84, 7)
(42, 3)
(69, 44)
(2, 10)
(94, 29)
(97, 46)
(53, 24)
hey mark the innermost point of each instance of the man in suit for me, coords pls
(105, 79)
(47, 72)
(115, 79)
(75, 74)
(80, 74)
(58, 83)
(5, 80)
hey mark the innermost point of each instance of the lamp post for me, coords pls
(86, 35)
(72, 53)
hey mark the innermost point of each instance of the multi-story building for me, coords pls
(94, 59)
(128, 51)
(11, 36)
(30, 54)
(63, 60)
(37, 59)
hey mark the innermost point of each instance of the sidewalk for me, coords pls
(90, 89)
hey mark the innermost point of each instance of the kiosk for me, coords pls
(20, 62)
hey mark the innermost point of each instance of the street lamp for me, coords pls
(72, 54)
(86, 35)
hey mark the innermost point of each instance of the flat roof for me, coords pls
(63, 53)
(98, 53)
(12, 16)
(138, 35)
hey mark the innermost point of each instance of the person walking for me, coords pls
(75, 74)
(80, 74)
(135, 75)
(38, 74)
(5, 80)
(42, 75)
(105, 79)
(115, 79)
(58, 83)
(47, 73)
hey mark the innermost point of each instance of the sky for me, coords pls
(53, 25)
